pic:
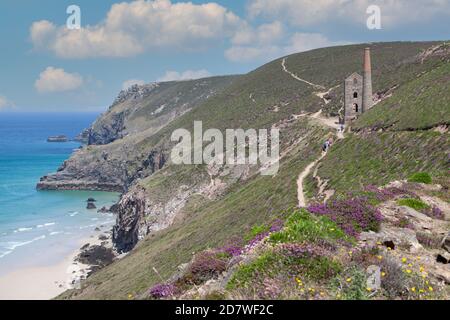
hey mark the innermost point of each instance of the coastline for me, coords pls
(45, 283)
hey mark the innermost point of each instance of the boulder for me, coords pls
(91, 206)
(446, 242)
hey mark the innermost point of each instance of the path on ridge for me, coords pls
(329, 122)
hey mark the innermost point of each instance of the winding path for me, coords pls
(293, 75)
(300, 193)
(328, 122)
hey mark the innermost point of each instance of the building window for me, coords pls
(355, 107)
(355, 95)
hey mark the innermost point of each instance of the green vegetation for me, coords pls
(303, 227)
(271, 264)
(379, 158)
(420, 104)
(256, 230)
(351, 284)
(421, 177)
(416, 204)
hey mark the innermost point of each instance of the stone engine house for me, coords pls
(358, 91)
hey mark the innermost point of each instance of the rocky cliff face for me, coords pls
(121, 143)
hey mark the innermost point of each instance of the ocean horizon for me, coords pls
(38, 228)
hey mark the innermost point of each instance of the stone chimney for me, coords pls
(367, 95)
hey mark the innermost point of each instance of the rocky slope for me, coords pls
(170, 211)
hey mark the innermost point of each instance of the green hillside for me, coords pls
(261, 99)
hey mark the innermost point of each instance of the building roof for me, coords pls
(354, 75)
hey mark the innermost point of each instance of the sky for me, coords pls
(44, 66)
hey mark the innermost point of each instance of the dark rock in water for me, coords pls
(96, 256)
(83, 137)
(91, 200)
(60, 138)
(114, 208)
(104, 210)
(85, 247)
(97, 229)
(91, 206)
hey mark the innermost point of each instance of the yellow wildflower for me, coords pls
(369, 289)
(349, 280)
(383, 274)
(404, 260)
(408, 271)
(413, 289)
(430, 289)
(422, 269)
(380, 257)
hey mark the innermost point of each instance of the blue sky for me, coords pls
(45, 67)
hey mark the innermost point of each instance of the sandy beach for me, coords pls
(44, 283)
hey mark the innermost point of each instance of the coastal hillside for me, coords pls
(233, 219)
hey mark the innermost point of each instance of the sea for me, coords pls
(41, 228)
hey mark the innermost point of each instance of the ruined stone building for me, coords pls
(358, 91)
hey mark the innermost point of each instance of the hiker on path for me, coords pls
(325, 146)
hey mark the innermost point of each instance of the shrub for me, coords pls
(162, 291)
(416, 204)
(420, 177)
(206, 265)
(435, 213)
(377, 195)
(247, 273)
(301, 226)
(352, 215)
(351, 285)
(395, 282)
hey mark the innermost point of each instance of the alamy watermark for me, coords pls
(74, 20)
(374, 19)
(239, 147)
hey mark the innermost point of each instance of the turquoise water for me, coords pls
(42, 227)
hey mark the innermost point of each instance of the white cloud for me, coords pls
(128, 83)
(298, 42)
(315, 12)
(186, 75)
(57, 80)
(139, 26)
(5, 103)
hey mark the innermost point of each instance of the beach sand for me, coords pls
(44, 283)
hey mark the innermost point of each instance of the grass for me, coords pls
(416, 204)
(421, 177)
(379, 158)
(417, 105)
